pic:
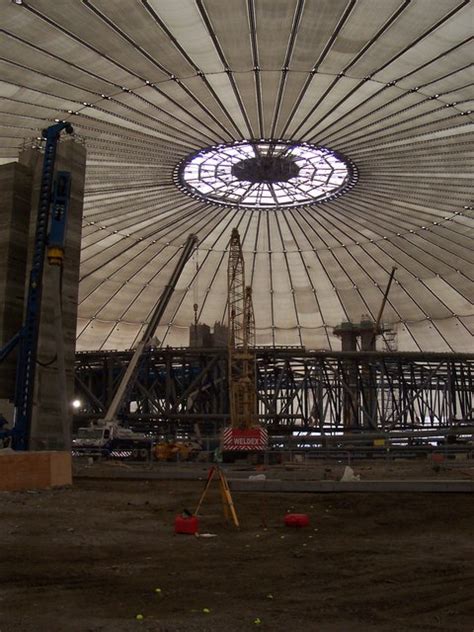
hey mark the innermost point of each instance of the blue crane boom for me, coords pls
(28, 339)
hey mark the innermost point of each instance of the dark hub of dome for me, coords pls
(265, 169)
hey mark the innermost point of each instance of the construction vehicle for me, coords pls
(52, 214)
(244, 433)
(107, 436)
(111, 440)
(176, 450)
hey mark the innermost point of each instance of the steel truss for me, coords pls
(297, 390)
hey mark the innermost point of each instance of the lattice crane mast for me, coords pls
(244, 433)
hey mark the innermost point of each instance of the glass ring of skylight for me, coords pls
(265, 174)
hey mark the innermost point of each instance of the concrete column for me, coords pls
(200, 335)
(367, 335)
(52, 413)
(369, 386)
(15, 201)
(350, 403)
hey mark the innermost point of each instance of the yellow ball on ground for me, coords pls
(139, 617)
(157, 590)
(206, 610)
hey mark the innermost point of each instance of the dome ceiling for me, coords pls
(147, 83)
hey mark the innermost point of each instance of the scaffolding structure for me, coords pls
(297, 390)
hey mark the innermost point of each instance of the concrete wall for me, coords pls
(201, 336)
(30, 470)
(52, 414)
(220, 337)
(15, 200)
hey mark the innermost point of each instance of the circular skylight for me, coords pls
(265, 174)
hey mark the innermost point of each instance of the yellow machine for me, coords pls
(175, 451)
(244, 433)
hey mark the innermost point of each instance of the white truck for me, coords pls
(110, 440)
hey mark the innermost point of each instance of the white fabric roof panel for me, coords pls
(148, 82)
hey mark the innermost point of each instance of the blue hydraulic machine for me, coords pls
(52, 214)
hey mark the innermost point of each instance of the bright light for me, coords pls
(235, 174)
(76, 403)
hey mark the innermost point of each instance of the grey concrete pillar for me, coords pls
(367, 335)
(52, 413)
(369, 381)
(350, 400)
(15, 201)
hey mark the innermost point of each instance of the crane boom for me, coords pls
(249, 318)
(384, 300)
(235, 290)
(128, 378)
(244, 432)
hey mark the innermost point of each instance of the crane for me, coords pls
(128, 378)
(244, 432)
(108, 437)
(52, 212)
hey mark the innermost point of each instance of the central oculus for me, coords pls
(269, 169)
(265, 174)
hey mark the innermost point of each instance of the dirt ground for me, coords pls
(91, 558)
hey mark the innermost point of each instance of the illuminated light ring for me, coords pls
(319, 174)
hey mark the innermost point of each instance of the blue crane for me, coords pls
(53, 200)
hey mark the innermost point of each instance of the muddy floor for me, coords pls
(103, 557)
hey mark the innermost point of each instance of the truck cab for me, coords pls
(92, 440)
